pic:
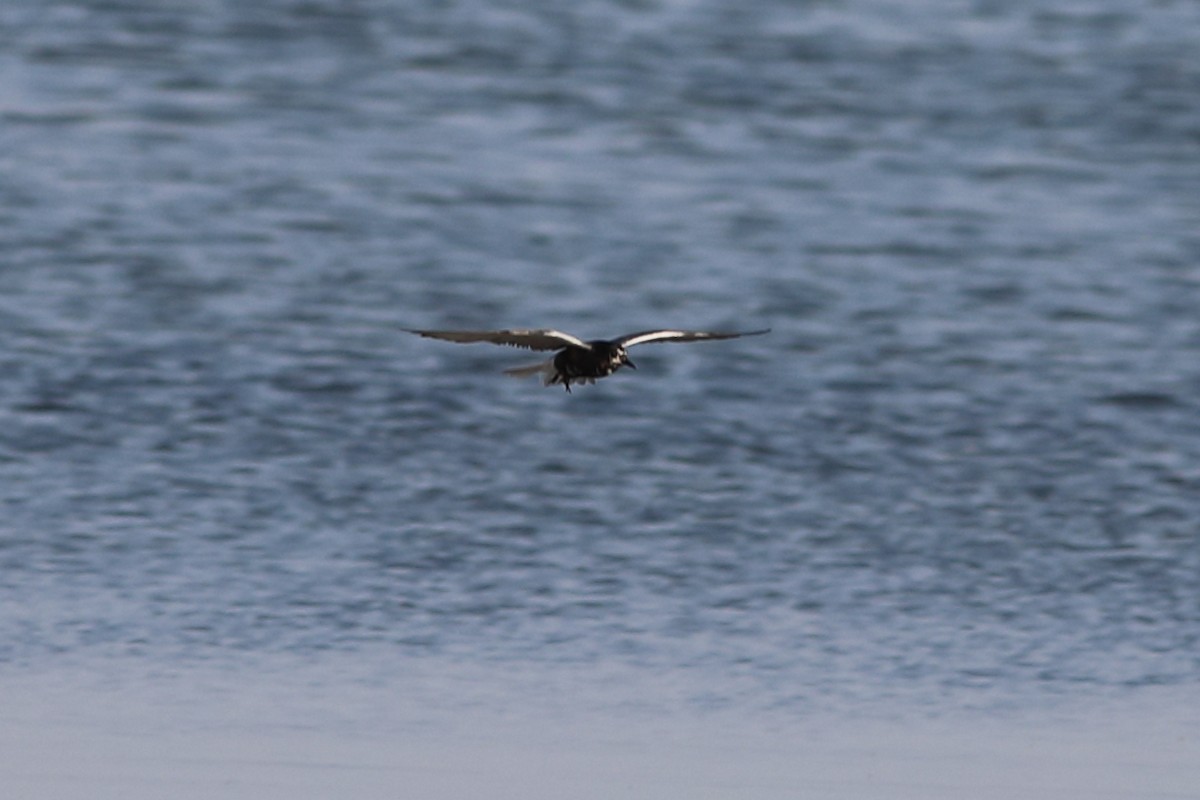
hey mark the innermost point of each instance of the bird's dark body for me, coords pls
(577, 361)
(601, 359)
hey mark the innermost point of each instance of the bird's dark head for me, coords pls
(608, 357)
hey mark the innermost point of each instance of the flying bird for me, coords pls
(576, 361)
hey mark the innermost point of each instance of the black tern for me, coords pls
(576, 361)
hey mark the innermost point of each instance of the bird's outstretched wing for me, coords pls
(642, 337)
(542, 339)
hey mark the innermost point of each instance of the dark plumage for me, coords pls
(577, 361)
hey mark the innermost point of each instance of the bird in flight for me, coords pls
(576, 361)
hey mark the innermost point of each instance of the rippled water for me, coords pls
(964, 469)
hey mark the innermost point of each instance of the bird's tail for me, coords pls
(543, 368)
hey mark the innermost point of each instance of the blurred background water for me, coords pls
(963, 470)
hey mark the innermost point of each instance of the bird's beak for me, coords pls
(630, 364)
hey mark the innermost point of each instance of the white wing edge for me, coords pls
(686, 336)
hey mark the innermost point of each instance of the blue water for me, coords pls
(962, 471)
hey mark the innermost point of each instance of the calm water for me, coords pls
(963, 471)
